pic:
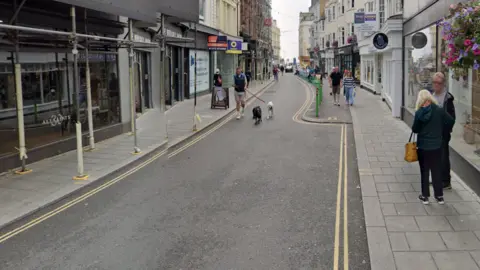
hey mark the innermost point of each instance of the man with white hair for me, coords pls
(445, 101)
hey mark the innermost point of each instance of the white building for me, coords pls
(381, 69)
(306, 20)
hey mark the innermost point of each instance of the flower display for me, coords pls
(461, 32)
(335, 44)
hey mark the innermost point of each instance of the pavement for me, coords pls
(403, 233)
(51, 179)
(244, 197)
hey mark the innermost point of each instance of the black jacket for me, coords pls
(450, 109)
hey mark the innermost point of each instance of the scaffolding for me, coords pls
(68, 41)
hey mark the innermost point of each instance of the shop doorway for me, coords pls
(141, 82)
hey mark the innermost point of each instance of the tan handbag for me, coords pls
(411, 150)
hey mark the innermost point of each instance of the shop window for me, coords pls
(420, 65)
(49, 98)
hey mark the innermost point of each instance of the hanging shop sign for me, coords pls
(380, 41)
(267, 22)
(217, 43)
(203, 74)
(234, 47)
(365, 21)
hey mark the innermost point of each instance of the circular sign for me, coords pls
(419, 40)
(380, 41)
(233, 44)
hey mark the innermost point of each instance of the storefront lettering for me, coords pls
(56, 119)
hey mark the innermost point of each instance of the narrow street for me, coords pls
(244, 197)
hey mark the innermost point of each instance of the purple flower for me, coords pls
(475, 46)
(476, 66)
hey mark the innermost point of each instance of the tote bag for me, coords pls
(411, 150)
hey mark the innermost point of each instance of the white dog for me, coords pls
(270, 109)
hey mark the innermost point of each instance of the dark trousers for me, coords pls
(446, 177)
(429, 162)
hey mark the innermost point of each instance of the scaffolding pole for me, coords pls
(136, 150)
(78, 126)
(163, 73)
(195, 86)
(91, 138)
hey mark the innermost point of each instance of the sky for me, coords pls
(286, 12)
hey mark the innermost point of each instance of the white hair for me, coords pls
(439, 75)
(424, 96)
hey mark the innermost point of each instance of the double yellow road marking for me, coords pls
(342, 181)
(75, 201)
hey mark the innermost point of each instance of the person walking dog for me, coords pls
(429, 124)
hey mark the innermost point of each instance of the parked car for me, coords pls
(289, 68)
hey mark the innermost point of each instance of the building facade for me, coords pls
(304, 39)
(420, 61)
(256, 30)
(276, 42)
(379, 67)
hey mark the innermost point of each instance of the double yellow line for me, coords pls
(75, 201)
(342, 181)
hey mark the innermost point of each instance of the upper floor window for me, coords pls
(342, 36)
(329, 15)
(342, 7)
(353, 3)
(333, 12)
(381, 12)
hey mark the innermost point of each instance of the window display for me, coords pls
(49, 98)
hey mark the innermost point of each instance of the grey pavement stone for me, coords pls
(476, 256)
(382, 187)
(414, 260)
(465, 222)
(388, 197)
(385, 178)
(400, 187)
(453, 260)
(387, 158)
(388, 209)
(410, 209)
(392, 171)
(398, 241)
(379, 164)
(373, 159)
(434, 209)
(467, 208)
(425, 241)
(401, 224)
(381, 257)
(368, 186)
(460, 240)
(433, 223)
(373, 212)
(411, 196)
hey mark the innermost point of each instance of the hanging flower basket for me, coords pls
(351, 39)
(335, 44)
(461, 32)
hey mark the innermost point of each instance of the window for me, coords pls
(333, 12)
(368, 71)
(333, 36)
(353, 28)
(353, 3)
(381, 12)
(329, 15)
(342, 36)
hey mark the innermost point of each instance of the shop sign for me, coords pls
(345, 50)
(234, 47)
(97, 57)
(217, 43)
(56, 120)
(203, 74)
(140, 38)
(380, 41)
(365, 21)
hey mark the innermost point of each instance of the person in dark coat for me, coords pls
(444, 100)
(429, 124)
(217, 85)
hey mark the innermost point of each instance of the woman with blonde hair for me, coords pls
(349, 86)
(429, 124)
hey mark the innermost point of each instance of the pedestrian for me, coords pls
(282, 69)
(275, 73)
(217, 84)
(248, 74)
(240, 83)
(444, 100)
(335, 84)
(429, 124)
(349, 86)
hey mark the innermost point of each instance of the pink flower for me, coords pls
(476, 52)
(452, 6)
(468, 43)
(451, 46)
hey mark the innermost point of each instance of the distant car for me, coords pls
(289, 68)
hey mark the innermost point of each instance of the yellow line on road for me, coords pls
(345, 203)
(336, 246)
(75, 201)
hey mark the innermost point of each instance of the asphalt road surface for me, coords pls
(245, 197)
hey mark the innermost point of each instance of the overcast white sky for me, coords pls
(286, 12)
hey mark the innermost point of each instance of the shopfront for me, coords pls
(329, 60)
(425, 43)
